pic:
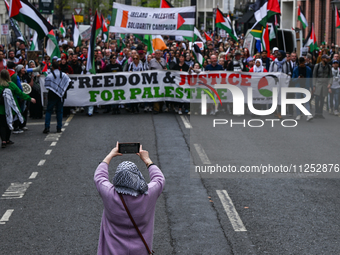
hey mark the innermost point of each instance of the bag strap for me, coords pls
(135, 225)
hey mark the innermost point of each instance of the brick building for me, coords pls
(322, 14)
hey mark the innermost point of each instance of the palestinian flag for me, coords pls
(23, 11)
(165, 4)
(52, 48)
(96, 27)
(265, 40)
(224, 24)
(264, 9)
(337, 18)
(104, 30)
(311, 40)
(302, 18)
(34, 43)
(62, 29)
(197, 35)
(198, 55)
(75, 33)
(14, 25)
(44, 70)
(207, 37)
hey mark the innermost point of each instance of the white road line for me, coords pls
(53, 144)
(48, 152)
(6, 216)
(16, 190)
(33, 175)
(42, 162)
(70, 118)
(66, 124)
(63, 129)
(201, 153)
(228, 206)
(186, 121)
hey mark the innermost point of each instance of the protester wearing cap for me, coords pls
(275, 51)
(116, 235)
(334, 91)
(121, 59)
(322, 80)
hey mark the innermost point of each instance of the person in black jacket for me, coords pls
(75, 64)
(237, 64)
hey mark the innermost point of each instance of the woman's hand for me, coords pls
(33, 100)
(144, 155)
(114, 153)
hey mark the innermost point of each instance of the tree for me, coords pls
(59, 9)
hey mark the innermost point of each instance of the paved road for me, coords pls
(57, 210)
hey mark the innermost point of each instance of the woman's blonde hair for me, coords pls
(4, 78)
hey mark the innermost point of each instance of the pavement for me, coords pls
(49, 204)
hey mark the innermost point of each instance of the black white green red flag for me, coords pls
(75, 33)
(52, 48)
(23, 11)
(311, 40)
(62, 29)
(96, 28)
(337, 18)
(264, 9)
(302, 18)
(225, 24)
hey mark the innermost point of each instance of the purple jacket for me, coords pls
(117, 233)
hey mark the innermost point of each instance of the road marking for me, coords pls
(16, 190)
(201, 153)
(70, 118)
(186, 121)
(48, 152)
(6, 216)
(52, 137)
(42, 162)
(66, 124)
(33, 175)
(53, 144)
(228, 206)
(63, 129)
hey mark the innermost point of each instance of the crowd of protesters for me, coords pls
(131, 55)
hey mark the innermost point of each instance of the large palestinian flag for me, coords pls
(225, 24)
(264, 9)
(23, 11)
(34, 42)
(96, 27)
(311, 40)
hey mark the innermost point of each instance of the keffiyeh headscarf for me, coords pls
(129, 180)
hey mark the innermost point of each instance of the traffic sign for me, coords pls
(77, 10)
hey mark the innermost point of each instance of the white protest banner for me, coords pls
(153, 21)
(153, 86)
